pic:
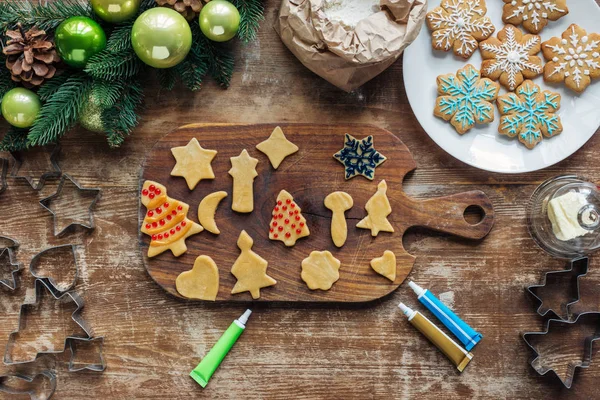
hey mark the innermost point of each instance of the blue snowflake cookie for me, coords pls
(465, 99)
(530, 114)
(359, 157)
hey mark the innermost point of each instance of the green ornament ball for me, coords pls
(77, 39)
(161, 37)
(20, 107)
(219, 20)
(115, 11)
(90, 117)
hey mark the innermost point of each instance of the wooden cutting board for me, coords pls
(309, 175)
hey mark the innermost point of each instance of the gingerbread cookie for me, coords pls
(201, 282)
(574, 58)
(460, 25)
(320, 270)
(533, 14)
(243, 171)
(277, 147)
(207, 209)
(250, 269)
(378, 208)
(385, 265)
(193, 163)
(529, 113)
(166, 221)
(359, 157)
(339, 203)
(511, 57)
(287, 222)
(465, 99)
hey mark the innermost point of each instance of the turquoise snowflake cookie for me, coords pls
(465, 99)
(530, 114)
(359, 157)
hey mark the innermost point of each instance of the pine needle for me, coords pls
(51, 86)
(120, 38)
(167, 77)
(46, 16)
(6, 83)
(14, 139)
(113, 67)
(120, 120)
(251, 14)
(106, 94)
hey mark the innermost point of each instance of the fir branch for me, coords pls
(113, 67)
(220, 63)
(120, 38)
(122, 118)
(51, 86)
(45, 15)
(15, 139)
(106, 94)
(191, 73)
(251, 14)
(167, 78)
(61, 110)
(6, 83)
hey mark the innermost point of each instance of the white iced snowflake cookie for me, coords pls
(533, 14)
(459, 25)
(573, 58)
(511, 58)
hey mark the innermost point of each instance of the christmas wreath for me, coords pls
(68, 62)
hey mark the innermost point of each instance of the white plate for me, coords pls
(483, 147)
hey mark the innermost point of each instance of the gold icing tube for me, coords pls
(459, 356)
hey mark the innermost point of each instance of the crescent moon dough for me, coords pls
(208, 208)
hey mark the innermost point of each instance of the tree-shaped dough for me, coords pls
(166, 221)
(378, 208)
(243, 171)
(287, 223)
(250, 269)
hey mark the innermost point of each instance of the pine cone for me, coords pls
(30, 56)
(188, 8)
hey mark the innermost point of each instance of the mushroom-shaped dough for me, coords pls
(339, 203)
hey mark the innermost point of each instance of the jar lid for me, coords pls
(563, 216)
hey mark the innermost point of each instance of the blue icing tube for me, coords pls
(467, 335)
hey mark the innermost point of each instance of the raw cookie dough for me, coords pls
(573, 58)
(533, 14)
(511, 58)
(529, 113)
(339, 203)
(243, 171)
(166, 221)
(201, 282)
(250, 269)
(459, 25)
(287, 222)
(359, 157)
(320, 270)
(385, 265)
(277, 147)
(465, 99)
(193, 163)
(207, 209)
(378, 208)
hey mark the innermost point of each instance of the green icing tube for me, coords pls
(215, 356)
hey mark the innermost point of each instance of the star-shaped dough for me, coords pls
(193, 163)
(359, 157)
(277, 147)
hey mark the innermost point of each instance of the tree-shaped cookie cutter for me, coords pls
(577, 269)
(45, 202)
(32, 392)
(40, 286)
(18, 163)
(51, 283)
(8, 251)
(587, 353)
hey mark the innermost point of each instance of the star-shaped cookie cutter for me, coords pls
(577, 268)
(52, 285)
(55, 173)
(8, 252)
(32, 392)
(46, 204)
(96, 367)
(40, 286)
(587, 354)
(3, 170)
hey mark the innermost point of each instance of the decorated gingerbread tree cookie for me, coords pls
(287, 223)
(166, 221)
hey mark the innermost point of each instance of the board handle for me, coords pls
(447, 214)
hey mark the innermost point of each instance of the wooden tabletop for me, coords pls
(154, 340)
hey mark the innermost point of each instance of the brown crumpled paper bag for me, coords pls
(348, 59)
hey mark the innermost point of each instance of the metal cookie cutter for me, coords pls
(3, 169)
(46, 204)
(40, 286)
(577, 269)
(96, 367)
(51, 284)
(55, 172)
(36, 391)
(538, 363)
(7, 254)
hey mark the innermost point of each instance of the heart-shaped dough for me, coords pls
(201, 282)
(385, 265)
